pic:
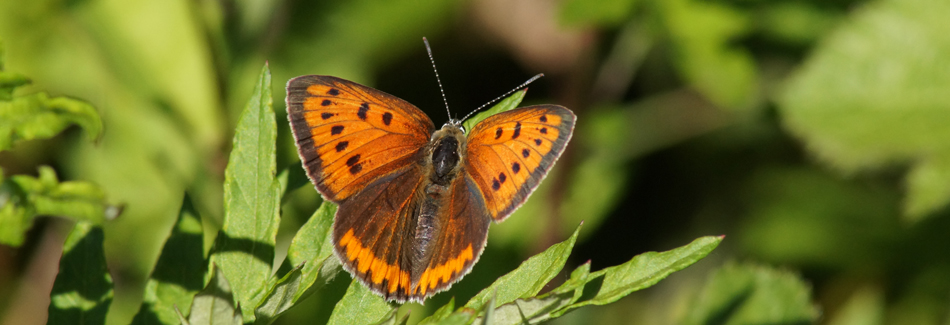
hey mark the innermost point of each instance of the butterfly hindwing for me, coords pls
(373, 232)
(508, 154)
(348, 135)
(464, 230)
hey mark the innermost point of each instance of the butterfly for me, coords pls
(414, 202)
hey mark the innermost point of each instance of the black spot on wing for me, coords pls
(364, 107)
(515, 167)
(495, 185)
(537, 141)
(517, 130)
(356, 168)
(342, 145)
(544, 130)
(498, 133)
(326, 102)
(544, 118)
(333, 92)
(336, 129)
(353, 160)
(525, 153)
(387, 118)
(326, 115)
(502, 178)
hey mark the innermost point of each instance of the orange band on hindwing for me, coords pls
(375, 268)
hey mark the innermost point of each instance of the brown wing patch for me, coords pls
(373, 229)
(349, 135)
(462, 239)
(508, 154)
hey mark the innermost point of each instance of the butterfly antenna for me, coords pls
(446, 101)
(525, 84)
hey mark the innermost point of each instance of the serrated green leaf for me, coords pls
(873, 94)
(279, 298)
(244, 249)
(753, 294)
(38, 116)
(599, 13)
(82, 291)
(179, 273)
(529, 278)
(360, 306)
(312, 245)
(507, 104)
(24, 197)
(576, 282)
(215, 304)
(643, 271)
(531, 310)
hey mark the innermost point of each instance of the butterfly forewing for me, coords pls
(509, 153)
(349, 135)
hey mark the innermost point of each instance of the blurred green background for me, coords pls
(814, 134)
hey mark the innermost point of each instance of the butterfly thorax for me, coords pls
(445, 151)
(442, 165)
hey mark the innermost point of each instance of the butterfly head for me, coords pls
(445, 151)
(454, 123)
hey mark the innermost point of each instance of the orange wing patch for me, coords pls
(433, 277)
(367, 262)
(509, 153)
(349, 135)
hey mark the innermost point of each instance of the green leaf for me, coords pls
(796, 23)
(753, 294)
(179, 273)
(507, 104)
(606, 13)
(392, 320)
(530, 310)
(312, 246)
(244, 249)
(292, 178)
(24, 197)
(529, 278)
(279, 298)
(37, 116)
(9, 81)
(463, 316)
(703, 34)
(82, 291)
(440, 313)
(360, 306)
(807, 216)
(873, 94)
(597, 288)
(864, 307)
(215, 303)
(644, 270)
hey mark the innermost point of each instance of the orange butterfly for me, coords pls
(414, 202)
